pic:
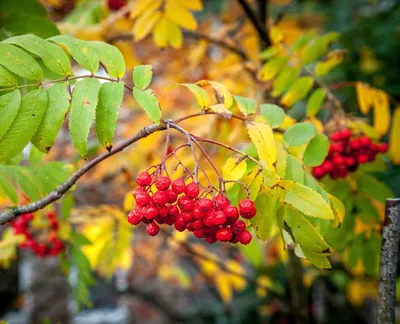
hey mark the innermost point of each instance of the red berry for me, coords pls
(199, 233)
(365, 141)
(219, 218)
(197, 213)
(160, 198)
(172, 196)
(180, 222)
(135, 217)
(336, 148)
(238, 227)
(180, 228)
(197, 224)
(247, 208)
(342, 172)
(178, 186)
(336, 136)
(208, 220)
(327, 166)
(382, 148)
(173, 210)
(362, 158)
(211, 239)
(350, 161)
(205, 204)
(224, 234)
(143, 179)
(187, 216)
(50, 215)
(245, 237)
(339, 160)
(170, 220)
(185, 203)
(355, 144)
(231, 212)
(192, 190)
(221, 201)
(162, 183)
(345, 134)
(152, 229)
(163, 211)
(150, 212)
(116, 4)
(54, 224)
(142, 198)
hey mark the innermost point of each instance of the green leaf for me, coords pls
(306, 200)
(316, 150)
(272, 67)
(297, 91)
(24, 126)
(8, 189)
(52, 55)
(201, 95)
(371, 255)
(373, 187)
(246, 106)
(315, 102)
(35, 156)
(19, 62)
(58, 105)
(83, 111)
(304, 233)
(269, 53)
(78, 239)
(284, 80)
(356, 251)
(303, 40)
(368, 212)
(67, 205)
(9, 106)
(317, 48)
(280, 159)
(299, 134)
(31, 6)
(26, 181)
(111, 58)
(7, 79)
(24, 22)
(265, 222)
(294, 170)
(148, 101)
(142, 75)
(272, 114)
(253, 252)
(320, 260)
(110, 98)
(80, 50)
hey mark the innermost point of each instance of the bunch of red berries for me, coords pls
(43, 249)
(346, 153)
(181, 205)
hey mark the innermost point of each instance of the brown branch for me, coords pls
(9, 213)
(388, 263)
(258, 25)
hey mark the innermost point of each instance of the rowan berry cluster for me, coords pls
(53, 245)
(346, 153)
(186, 208)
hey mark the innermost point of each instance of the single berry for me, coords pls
(245, 237)
(383, 147)
(205, 204)
(160, 198)
(143, 179)
(335, 136)
(362, 158)
(336, 148)
(163, 211)
(142, 198)
(180, 228)
(327, 166)
(350, 161)
(318, 172)
(162, 183)
(221, 201)
(224, 234)
(172, 196)
(178, 186)
(219, 218)
(211, 239)
(355, 144)
(173, 210)
(208, 220)
(187, 216)
(170, 220)
(152, 229)
(197, 213)
(247, 208)
(185, 203)
(231, 211)
(197, 224)
(199, 233)
(365, 141)
(192, 190)
(134, 217)
(180, 222)
(238, 227)
(150, 211)
(339, 160)
(342, 172)
(345, 134)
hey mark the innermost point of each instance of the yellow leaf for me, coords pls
(222, 93)
(238, 282)
(224, 287)
(127, 51)
(364, 97)
(180, 15)
(276, 35)
(381, 112)
(317, 123)
(234, 169)
(297, 91)
(8, 247)
(160, 32)
(394, 137)
(339, 209)
(201, 95)
(254, 181)
(221, 109)
(175, 36)
(263, 138)
(194, 5)
(145, 24)
(142, 6)
(281, 158)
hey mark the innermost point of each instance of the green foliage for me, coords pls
(315, 102)
(110, 58)
(246, 106)
(148, 101)
(273, 114)
(316, 150)
(299, 134)
(142, 76)
(9, 106)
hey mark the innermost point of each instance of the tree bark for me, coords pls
(388, 263)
